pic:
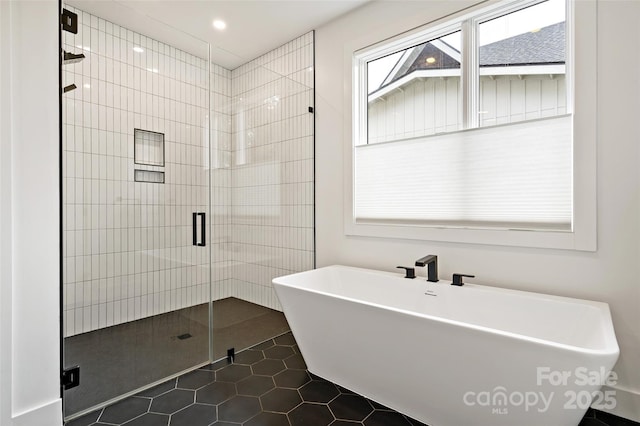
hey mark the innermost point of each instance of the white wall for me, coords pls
(611, 274)
(29, 215)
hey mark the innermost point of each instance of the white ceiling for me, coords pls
(254, 27)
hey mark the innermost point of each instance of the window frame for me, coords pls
(581, 103)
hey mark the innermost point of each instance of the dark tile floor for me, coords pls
(267, 385)
(119, 359)
(600, 418)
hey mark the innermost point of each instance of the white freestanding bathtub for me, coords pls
(448, 355)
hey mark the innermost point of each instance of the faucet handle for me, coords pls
(410, 272)
(457, 279)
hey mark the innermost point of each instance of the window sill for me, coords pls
(565, 240)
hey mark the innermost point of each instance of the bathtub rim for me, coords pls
(611, 347)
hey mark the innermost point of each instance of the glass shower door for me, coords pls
(262, 150)
(136, 278)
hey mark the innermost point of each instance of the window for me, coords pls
(513, 57)
(521, 64)
(415, 92)
(466, 129)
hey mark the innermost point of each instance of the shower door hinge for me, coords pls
(69, 21)
(70, 377)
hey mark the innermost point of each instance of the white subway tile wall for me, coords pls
(127, 250)
(272, 170)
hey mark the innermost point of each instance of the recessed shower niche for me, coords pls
(152, 134)
(149, 176)
(148, 148)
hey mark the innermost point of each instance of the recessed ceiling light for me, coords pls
(138, 49)
(86, 86)
(431, 60)
(219, 24)
(152, 70)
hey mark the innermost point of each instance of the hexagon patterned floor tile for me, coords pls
(267, 385)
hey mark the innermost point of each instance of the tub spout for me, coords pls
(431, 262)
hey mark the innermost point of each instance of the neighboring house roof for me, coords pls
(546, 46)
(543, 47)
(415, 58)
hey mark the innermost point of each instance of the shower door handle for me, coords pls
(203, 225)
(194, 226)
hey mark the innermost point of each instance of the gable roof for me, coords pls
(543, 47)
(546, 46)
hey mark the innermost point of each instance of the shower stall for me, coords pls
(186, 188)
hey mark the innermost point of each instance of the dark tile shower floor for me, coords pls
(267, 385)
(120, 359)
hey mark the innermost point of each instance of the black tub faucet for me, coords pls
(431, 262)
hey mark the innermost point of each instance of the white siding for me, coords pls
(508, 99)
(432, 105)
(422, 107)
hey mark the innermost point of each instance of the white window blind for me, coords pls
(513, 176)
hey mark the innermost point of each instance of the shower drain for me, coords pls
(184, 336)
